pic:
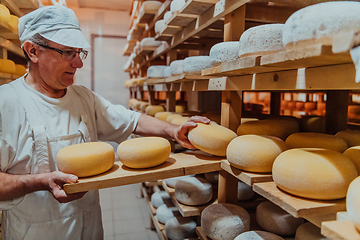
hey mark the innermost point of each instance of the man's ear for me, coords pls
(31, 51)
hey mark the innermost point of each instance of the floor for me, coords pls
(125, 214)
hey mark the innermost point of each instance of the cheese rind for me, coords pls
(351, 137)
(165, 212)
(180, 228)
(193, 191)
(144, 152)
(86, 159)
(245, 192)
(160, 198)
(309, 231)
(352, 202)
(162, 115)
(353, 154)
(258, 235)
(224, 51)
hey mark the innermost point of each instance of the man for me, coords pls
(42, 112)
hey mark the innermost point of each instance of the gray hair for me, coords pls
(37, 39)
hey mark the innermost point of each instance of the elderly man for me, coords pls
(42, 112)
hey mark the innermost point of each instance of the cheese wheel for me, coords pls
(316, 23)
(86, 159)
(4, 13)
(254, 153)
(159, 26)
(211, 138)
(172, 117)
(314, 173)
(193, 191)
(180, 228)
(179, 120)
(351, 137)
(156, 71)
(151, 110)
(258, 235)
(165, 212)
(144, 152)
(167, 16)
(260, 40)
(194, 65)
(7, 66)
(353, 154)
(309, 231)
(245, 192)
(224, 51)
(352, 202)
(179, 108)
(280, 127)
(176, 67)
(312, 124)
(160, 198)
(176, 5)
(170, 182)
(143, 106)
(19, 70)
(224, 221)
(167, 72)
(14, 22)
(162, 115)
(316, 140)
(274, 219)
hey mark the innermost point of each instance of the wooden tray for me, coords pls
(179, 164)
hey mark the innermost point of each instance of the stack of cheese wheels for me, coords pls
(353, 154)
(86, 159)
(194, 65)
(179, 120)
(278, 127)
(254, 153)
(156, 71)
(151, 110)
(180, 228)
(172, 116)
(193, 191)
(224, 51)
(261, 40)
(312, 124)
(258, 235)
(176, 67)
(165, 212)
(351, 137)
(245, 192)
(274, 219)
(159, 198)
(224, 221)
(316, 140)
(162, 115)
(309, 231)
(144, 152)
(314, 173)
(170, 182)
(352, 202)
(211, 138)
(316, 23)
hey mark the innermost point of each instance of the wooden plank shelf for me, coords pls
(191, 211)
(181, 19)
(198, 7)
(316, 211)
(185, 77)
(169, 190)
(146, 17)
(246, 177)
(344, 230)
(179, 164)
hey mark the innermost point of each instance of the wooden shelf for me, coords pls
(169, 190)
(246, 177)
(198, 7)
(191, 211)
(21, 7)
(344, 230)
(179, 164)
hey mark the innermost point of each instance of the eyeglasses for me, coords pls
(68, 55)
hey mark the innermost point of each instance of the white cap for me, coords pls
(55, 23)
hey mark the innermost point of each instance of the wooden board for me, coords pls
(296, 206)
(190, 211)
(181, 19)
(179, 164)
(198, 7)
(246, 177)
(201, 234)
(185, 77)
(169, 190)
(340, 230)
(146, 17)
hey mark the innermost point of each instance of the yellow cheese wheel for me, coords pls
(351, 137)
(7, 66)
(4, 13)
(132, 101)
(162, 115)
(352, 202)
(151, 110)
(144, 152)
(179, 109)
(312, 124)
(179, 120)
(278, 127)
(316, 140)
(143, 106)
(353, 154)
(19, 70)
(314, 173)
(211, 138)
(172, 117)
(14, 22)
(254, 153)
(86, 159)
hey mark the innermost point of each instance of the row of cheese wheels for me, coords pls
(12, 20)
(9, 66)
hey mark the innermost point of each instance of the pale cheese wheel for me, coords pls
(352, 202)
(176, 5)
(167, 16)
(316, 23)
(144, 152)
(260, 40)
(7, 66)
(353, 154)
(194, 65)
(160, 198)
(224, 221)
(258, 235)
(193, 191)
(176, 67)
(156, 71)
(167, 72)
(86, 159)
(351, 137)
(281, 127)
(254, 153)
(211, 138)
(245, 192)
(308, 231)
(224, 51)
(162, 115)
(316, 140)
(179, 120)
(151, 110)
(314, 173)
(172, 116)
(14, 22)
(150, 42)
(159, 26)
(4, 13)
(180, 228)
(165, 212)
(274, 219)
(170, 182)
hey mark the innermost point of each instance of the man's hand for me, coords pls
(181, 133)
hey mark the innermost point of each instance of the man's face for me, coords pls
(55, 70)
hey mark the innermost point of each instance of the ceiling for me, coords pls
(117, 5)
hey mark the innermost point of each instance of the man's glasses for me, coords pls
(68, 55)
